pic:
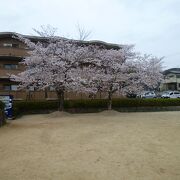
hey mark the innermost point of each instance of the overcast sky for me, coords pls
(152, 25)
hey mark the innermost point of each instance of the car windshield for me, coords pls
(165, 93)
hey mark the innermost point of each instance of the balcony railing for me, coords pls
(11, 51)
(4, 72)
(172, 80)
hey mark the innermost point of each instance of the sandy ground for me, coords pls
(103, 146)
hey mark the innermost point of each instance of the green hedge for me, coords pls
(145, 102)
(22, 107)
(89, 103)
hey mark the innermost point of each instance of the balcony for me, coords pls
(13, 52)
(4, 73)
(172, 80)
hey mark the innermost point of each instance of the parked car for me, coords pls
(131, 95)
(147, 94)
(171, 94)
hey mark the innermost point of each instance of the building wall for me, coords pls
(10, 67)
(171, 82)
(19, 50)
(12, 52)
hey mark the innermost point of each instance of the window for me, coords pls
(15, 45)
(178, 76)
(10, 87)
(7, 45)
(10, 66)
(7, 87)
(11, 45)
(170, 76)
(14, 87)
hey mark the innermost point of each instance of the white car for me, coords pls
(171, 94)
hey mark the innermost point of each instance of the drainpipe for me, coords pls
(176, 83)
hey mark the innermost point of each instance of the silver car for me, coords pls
(148, 94)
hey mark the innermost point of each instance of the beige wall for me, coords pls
(12, 51)
(8, 56)
(169, 79)
(11, 40)
(4, 72)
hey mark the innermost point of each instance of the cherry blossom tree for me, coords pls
(56, 64)
(115, 65)
(149, 71)
(123, 72)
(77, 66)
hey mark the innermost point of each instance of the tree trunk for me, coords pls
(60, 95)
(46, 93)
(28, 95)
(100, 94)
(110, 93)
(110, 100)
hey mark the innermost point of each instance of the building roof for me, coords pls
(39, 38)
(172, 70)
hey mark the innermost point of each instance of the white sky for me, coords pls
(152, 25)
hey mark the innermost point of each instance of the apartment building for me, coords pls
(12, 51)
(171, 79)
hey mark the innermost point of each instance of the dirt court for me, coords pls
(101, 146)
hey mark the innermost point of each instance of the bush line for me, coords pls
(30, 106)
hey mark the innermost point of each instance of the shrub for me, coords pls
(86, 103)
(22, 107)
(145, 102)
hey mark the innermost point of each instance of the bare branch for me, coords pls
(46, 31)
(83, 34)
